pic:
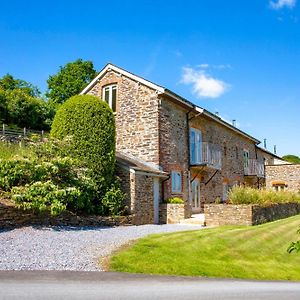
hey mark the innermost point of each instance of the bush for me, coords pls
(43, 196)
(113, 201)
(90, 124)
(247, 195)
(174, 200)
(54, 185)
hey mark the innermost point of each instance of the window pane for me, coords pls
(192, 146)
(176, 182)
(106, 95)
(114, 98)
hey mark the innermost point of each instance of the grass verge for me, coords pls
(257, 252)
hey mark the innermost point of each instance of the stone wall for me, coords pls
(139, 195)
(136, 116)
(174, 148)
(228, 214)
(143, 201)
(288, 173)
(223, 214)
(11, 217)
(125, 180)
(171, 213)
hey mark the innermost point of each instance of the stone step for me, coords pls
(198, 219)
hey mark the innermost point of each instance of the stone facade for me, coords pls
(223, 214)
(171, 213)
(286, 176)
(139, 195)
(173, 140)
(136, 116)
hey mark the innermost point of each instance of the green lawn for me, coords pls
(257, 252)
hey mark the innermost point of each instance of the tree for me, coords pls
(20, 104)
(9, 83)
(24, 110)
(69, 81)
(291, 158)
(90, 124)
(3, 106)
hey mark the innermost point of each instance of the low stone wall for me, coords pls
(171, 213)
(12, 217)
(229, 214)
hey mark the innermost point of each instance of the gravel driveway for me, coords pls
(69, 248)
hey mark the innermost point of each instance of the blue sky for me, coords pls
(240, 58)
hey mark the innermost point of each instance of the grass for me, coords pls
(257, 252)
(9, 150)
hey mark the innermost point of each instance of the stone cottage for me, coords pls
(170, 147)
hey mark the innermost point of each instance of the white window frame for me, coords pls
(176, 182)
(110, 89)
(195, 146)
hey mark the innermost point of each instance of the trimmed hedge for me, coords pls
(90, 124)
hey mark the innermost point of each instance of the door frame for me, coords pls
(196, 209)
(156, 185)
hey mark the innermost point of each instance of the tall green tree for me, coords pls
(294, 159)
(69, 81)
(9, 83)
(24, 110)
(21, 105)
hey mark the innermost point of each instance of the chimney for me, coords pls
(234, 123)
(265, 143)
(275, 149)
(217, 113)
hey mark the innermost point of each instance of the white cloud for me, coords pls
(203, 85)
(204, 66)
(278, 4)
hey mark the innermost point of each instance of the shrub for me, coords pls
(247, 195)
(174, 200)
(90, 124)
(294, 246)
(54, 185)
(113, 201)
(42, 196)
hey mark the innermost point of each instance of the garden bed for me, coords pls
(248, 214)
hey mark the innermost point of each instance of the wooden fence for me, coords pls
(10, 132)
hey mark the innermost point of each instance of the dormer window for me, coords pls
(109, 95)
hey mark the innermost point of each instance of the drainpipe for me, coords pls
(162, 187)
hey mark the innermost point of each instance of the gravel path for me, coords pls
(69, 248)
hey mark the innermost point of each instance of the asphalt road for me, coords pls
(99, 285)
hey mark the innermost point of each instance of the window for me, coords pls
(246, 159)
(176, 182)
(109, 94)
(195, 146)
